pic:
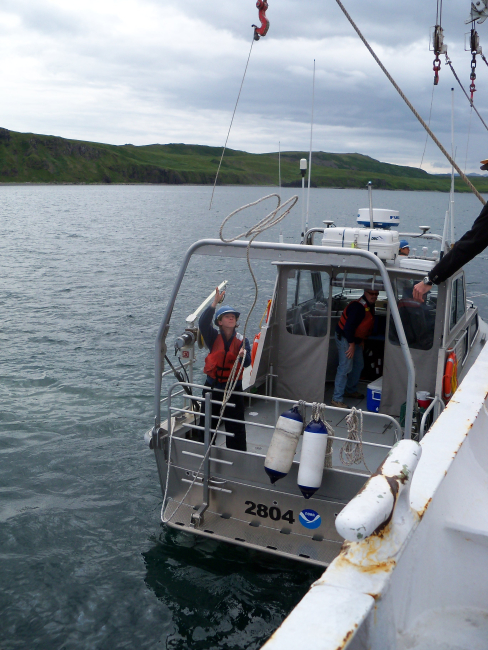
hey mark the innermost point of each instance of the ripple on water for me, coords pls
(85, 273)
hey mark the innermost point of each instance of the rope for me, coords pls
(270, 220)
(467, 140)
(427, 135)
(352, 452)
(230, 126)
(402, 95)
(449, 63)
(318, 413)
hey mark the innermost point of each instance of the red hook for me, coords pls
(262, 5)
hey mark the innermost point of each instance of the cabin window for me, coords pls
(418, 319)
(306, 309)
(458, 301)
(473, 330)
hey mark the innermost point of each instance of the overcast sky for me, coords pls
(158, 71)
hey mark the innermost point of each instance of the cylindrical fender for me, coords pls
(283, 444)
(312, 459)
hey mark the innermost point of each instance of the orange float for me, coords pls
(449, 381)
(255, 343)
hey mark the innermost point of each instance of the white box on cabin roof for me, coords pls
(383, 243)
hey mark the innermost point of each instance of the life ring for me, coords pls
(255, 344)
(449, 381)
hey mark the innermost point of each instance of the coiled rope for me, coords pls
(270, 220)
(410, 106)
(352, 452)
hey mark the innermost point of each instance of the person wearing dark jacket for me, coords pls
(225, 346)
(354, 326)
(472, 243)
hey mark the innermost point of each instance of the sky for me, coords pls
(154, 71)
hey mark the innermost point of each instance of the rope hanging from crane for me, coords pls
(262, 6)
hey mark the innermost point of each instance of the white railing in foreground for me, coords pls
(388, 588)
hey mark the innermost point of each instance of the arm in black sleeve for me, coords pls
(471, 244)
(208, 331)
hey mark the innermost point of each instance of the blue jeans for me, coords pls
(348, 370)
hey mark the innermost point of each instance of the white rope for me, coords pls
(270, 220)
(352, 452)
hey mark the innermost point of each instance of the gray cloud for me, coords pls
(153, 71)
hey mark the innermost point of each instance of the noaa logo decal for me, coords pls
(310, 518)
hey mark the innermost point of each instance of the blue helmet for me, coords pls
(226, 309)
(404, 243)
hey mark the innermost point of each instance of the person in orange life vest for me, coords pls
(356, 324)
(225, 345)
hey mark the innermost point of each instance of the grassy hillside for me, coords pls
(27, 157)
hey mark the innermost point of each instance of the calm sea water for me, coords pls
(85, 276)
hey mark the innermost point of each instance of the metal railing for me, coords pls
(295, 253)
(265, 398)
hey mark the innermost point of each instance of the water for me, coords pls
(85, 275)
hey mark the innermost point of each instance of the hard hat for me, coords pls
(484, 164)
(404, 243)
(226, 309)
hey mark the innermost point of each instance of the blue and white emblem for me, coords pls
(309, 518)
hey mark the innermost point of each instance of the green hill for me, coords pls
(31, 158)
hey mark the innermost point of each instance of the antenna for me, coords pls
(303, 171)
(310, 154)
(279, 185)
(370, 193)
(451, 196)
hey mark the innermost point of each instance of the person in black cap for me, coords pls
(472, 243)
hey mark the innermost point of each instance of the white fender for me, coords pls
(312, 459)
(283, 444)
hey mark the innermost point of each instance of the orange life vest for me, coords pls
(219, 363)
(365, 327)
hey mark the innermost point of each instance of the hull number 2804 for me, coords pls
(272, 512)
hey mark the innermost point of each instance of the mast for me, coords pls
(451, 195)
(310, 153)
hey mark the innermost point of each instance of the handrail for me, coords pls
(239, 248)
(309, 235)
(269, 398)
(436, 400)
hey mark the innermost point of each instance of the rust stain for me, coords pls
(373, 567)
(422, 512)
(347, 637)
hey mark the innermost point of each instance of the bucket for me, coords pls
(423, 399)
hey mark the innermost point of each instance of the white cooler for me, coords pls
(384, 243)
